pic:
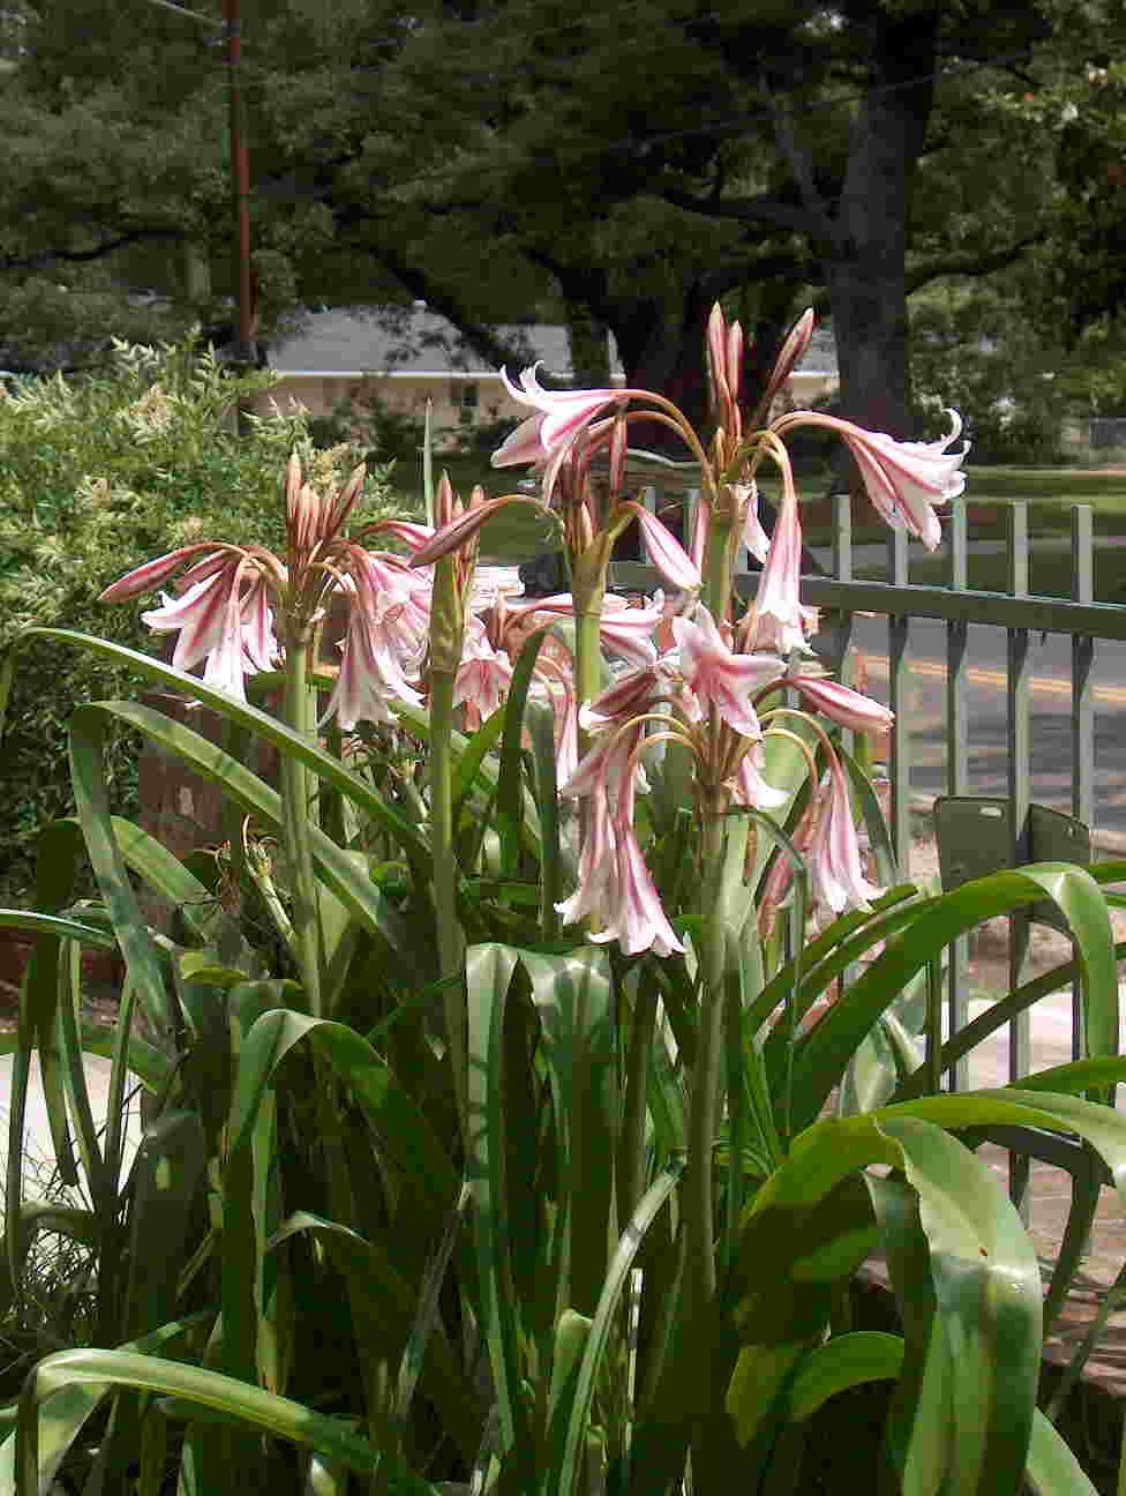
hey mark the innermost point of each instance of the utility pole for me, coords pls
(240, 181)
(231, 25)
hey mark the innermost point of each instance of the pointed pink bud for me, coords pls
(789, 355)
(841, 704)
(152, 573)
(701, 525)
(344, 502)
(619, 451)
(461, 530)
(292, 486)
(445, 502)
(735, 361)
(413, 536)
(665, 551)
(716, 345)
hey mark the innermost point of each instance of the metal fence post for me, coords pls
(957, 773)
(1020, 751)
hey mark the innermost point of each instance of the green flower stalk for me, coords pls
(453, 578)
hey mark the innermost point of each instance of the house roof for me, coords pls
(416, 342)
(408, 341)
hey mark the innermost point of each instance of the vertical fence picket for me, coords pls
(957, 773)
(842, 570)
(1019, 746)
(899, 627)
(1082, 712)
(688, 509)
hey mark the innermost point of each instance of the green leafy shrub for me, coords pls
(95, 474)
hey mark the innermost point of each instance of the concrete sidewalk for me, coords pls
(39, 1156)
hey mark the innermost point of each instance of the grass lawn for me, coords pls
(1103, 488)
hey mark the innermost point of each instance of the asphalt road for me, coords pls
(1050, 662)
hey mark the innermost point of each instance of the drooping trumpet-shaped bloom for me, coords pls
(904, 480)
(750, 788)
(560, 416)
(841, 704)
(754, 536)
(592, 895)
(625, 632)
(628, 632)
(634, 916)
(371, 670)
(485, 673)
(665, 551)
(614, 885)
(229, 599)
(834, 852)
(720, 678)
(225, 621)
(781, 620)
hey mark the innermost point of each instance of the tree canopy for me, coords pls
(619, 167)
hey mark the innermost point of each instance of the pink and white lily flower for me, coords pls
(370, 674)
(614, 885)
(904, 480)
(633, 915)
(750, 788)
(225, 620)
(625, 632)
(485, 673)
(841, 704)
(782, 622)
(560, 416)
(719, 678)
(384, 641)
(665, 551)
(834, 852)
(592, 895)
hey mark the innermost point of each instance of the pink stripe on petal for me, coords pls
(413, 536)
(665, 551)
(841, 704)
(150, 574)
(461, 530)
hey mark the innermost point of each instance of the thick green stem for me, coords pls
(300, 711)
(719, 566)
(588, 588)
(631, 1169)
(588, 663)
(451, 940)
(703, 1114)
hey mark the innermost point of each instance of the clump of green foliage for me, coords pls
(97, 473)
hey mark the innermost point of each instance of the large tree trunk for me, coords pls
(662, 348)
(589, 343)
(865, 257)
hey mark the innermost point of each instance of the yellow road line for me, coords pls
(1039, 685)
